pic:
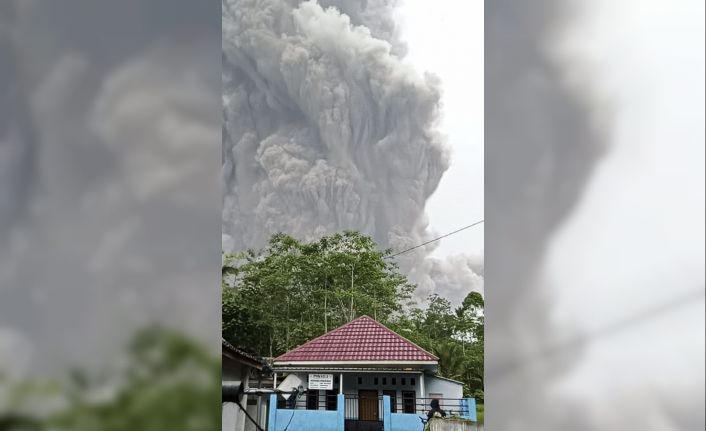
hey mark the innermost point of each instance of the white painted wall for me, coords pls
(229, 416)
(233, 418)
(384, 382)
(252, 411)
(448, 388)
(436, 387)
(233, 373)
(240, 422)
(412, 382)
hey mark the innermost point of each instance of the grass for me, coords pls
(480, 410)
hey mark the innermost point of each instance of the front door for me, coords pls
(368, 405)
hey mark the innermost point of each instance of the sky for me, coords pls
(636, 240)
(458, 201)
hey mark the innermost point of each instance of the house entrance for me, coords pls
(368, 405)
(363, 411)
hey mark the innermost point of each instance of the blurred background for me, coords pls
(110, 214)
(594, 138)
(110, 127)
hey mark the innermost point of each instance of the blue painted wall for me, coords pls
(399, 421)
(333, 420)
(469, 405)
(411, 422)
(386, 413)
(405, 422)
(305, 420)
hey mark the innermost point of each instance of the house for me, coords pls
(243, 409)
(358, 377)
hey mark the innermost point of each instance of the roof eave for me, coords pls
(353, 363)
(446, 378)
(231, 352)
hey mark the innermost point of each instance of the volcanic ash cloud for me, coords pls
(325, 127)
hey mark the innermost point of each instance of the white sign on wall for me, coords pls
(321, 381)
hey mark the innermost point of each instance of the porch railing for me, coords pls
(305, 401)
(363, 408)
(421, 406)
(414, 412)
(359, 412)
(302, 419)
(309, 401)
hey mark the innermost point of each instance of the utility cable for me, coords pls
(604, 331)
(259, 428)
(435, 239)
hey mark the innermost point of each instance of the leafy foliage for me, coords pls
(169, 383)
(455, 336)
(280, 297)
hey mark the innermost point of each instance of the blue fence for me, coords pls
(465, 408)
(334, 420)
(303, 420)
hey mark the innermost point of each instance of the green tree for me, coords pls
(172, 383)
(471, 331)
(279, 297)
(167, 382)
(452, 363)
(455, 336)
(290, 292)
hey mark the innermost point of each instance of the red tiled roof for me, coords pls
(362, 339)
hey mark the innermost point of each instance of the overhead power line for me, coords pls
(435, 239)
(612, 328)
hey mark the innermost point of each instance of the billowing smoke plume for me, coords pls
(327, 129)
(109, 201)
(540, 148)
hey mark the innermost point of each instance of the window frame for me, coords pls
(409, 402)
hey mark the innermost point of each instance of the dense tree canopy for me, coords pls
(455, 336)
(291, 291)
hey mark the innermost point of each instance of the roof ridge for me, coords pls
(381, 328)
(322, 335)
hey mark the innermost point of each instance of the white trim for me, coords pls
(283, 369)
(421, 386)
(323, 364)
(445, 378)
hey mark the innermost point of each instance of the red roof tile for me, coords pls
(362, 339)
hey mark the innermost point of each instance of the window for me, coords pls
(360, 380)
(312, 400)
(331, 400)
(412, 382)
(393, 400)
(408, 401)
(384, 380)
(404, 381)
(375, 381)
(394, 380)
